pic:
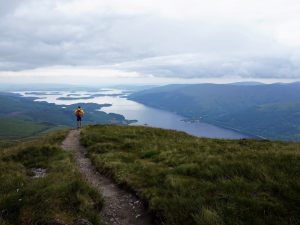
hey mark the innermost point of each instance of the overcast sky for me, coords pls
(148, 41)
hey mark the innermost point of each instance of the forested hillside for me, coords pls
(271, 111)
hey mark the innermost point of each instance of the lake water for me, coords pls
(135, 111)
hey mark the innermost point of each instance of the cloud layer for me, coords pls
(189, 39)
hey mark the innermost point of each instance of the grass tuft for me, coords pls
(61, 195)
(190, 181)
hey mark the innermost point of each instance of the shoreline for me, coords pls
(133, 121)
(216, 123)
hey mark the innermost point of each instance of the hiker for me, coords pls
(79, 114)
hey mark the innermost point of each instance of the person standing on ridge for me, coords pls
(79, 114)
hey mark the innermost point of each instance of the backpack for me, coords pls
(78, 112)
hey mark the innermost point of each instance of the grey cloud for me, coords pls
(35, 34)
(8, 7)
(206, 66)
(35, 40)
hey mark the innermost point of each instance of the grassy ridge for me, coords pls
(196, 181)
(15, 128)
(61, 195)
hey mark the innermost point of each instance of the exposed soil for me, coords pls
(120, 207)
(38, 173)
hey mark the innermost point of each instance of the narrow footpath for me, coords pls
(120, 207)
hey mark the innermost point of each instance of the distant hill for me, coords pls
(23, 117)
(269, 110)
(134, 87)
(249, 83)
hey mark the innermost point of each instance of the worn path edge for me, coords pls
(120, 207)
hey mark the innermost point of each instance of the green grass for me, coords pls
(197, 181)
(7, 143)
(61, 195)
(16, 128)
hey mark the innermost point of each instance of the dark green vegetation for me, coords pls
(197, 181)
(61, 195)
(271, 111)
(23, 117)
(14, 128)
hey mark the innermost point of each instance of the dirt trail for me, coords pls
(120, 207)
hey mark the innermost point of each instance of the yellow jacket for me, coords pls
(79, 112)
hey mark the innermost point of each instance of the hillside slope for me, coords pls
(249, 108)
(40, 184)
(191, 181)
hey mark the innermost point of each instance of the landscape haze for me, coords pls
(162, 112)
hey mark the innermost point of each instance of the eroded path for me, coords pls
(120, 207)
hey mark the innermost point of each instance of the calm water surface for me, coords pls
(143, 114)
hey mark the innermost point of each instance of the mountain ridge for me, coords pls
(221, 103)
